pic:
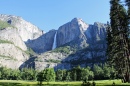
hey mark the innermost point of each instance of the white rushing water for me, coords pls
(54, 43)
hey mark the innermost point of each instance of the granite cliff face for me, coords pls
(14, 32)
(75, 33)
(43, 43)
(70, 31)
(12, 48)
(67, 33)
(25, 29)
(74, 43)
(77, 43)
(11, 34)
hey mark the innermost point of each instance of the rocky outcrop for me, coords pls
(12, 52)
(78, 43)
(43, 43)
(94, 54)
(12, 48)
(75, 33)
(50, 59)
(12, 36)
(25, 29)
(74, 43)
(71, 31)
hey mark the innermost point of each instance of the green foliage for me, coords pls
(8, 57)
(104, 72)
(86, 74)
(9, 74)
(77, 83)
(63, 49)
(59, 75)
(5, 41)
(68, 76)
(117, 36)
(29, 51)
(53, 61)
(98, 71)
(47, 74)
(28, 74)
(3, 25)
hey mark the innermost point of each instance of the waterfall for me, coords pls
(54, 43)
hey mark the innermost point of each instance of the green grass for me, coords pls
(53, 61)
(5, 41)
(3, 25)
(78, 83)
(63, 49)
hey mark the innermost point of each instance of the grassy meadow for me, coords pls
(34, 83)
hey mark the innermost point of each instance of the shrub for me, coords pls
(5, 41)
(53, 61)
(64, 49)
(3, 25)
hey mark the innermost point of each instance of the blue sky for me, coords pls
(51, 14)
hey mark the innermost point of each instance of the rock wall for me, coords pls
(12, 48)
(43, 43)
(25, 29)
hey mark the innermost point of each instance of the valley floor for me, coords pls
(34, 83)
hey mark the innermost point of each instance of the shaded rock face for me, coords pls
(25, 29)
(96, 32)
(43, 43)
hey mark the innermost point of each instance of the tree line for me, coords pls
(98, 72)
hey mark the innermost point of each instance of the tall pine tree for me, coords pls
(117, 37)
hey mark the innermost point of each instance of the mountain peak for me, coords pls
(76, 19)
(5, 16)
(80, 23)
(25, 29)
(99, 24)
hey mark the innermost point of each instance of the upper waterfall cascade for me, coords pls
(54, 43)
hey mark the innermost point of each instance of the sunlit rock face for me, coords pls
(11, 34)
(88, 43)
(25, 29)
(12, 48)
(70, 31)
(74, 43)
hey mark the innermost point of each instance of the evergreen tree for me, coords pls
(68, 76)
(109, 40)
(98, 72)
(40, 77)
(49, 74)
(118, 51)
(59, 75)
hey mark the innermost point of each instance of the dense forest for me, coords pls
(98, 72)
